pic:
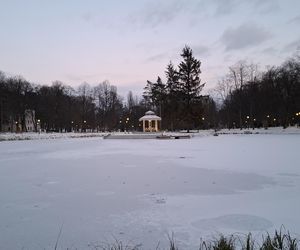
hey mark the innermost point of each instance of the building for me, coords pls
(30, 122)
(20, 123)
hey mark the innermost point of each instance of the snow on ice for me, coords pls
(140, 191)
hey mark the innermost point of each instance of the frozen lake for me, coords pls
(141, 190)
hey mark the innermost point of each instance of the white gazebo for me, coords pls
(151, 122)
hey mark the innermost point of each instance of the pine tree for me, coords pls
(147, 95)
(154, 93)
(189, 82)
(172, 79)
(172, 91)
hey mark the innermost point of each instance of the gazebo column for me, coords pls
(144, 126)
(156, 127)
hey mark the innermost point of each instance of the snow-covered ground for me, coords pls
(138, 191)
(46, 136)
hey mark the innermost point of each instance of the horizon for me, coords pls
(45, 42)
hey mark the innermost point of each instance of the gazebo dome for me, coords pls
(150, 116)
(149, 113)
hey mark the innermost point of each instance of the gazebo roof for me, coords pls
(150, 116)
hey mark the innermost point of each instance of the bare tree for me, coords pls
(239, 75)
(85, 96)
(223, 89)
(108, 105)
(130, 101)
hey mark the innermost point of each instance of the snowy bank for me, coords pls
(130, 135)
(271, 130)
(43, 136)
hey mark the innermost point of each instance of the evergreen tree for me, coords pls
(147, 95)
(159, 95)
(154, 94)
(189, 83)
(172, 79)
(172, 97)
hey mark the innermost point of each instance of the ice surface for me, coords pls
(140, 190)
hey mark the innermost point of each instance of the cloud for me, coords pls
(81, 77)
(157, 57)
(156, 13)
(269, 51)
(266, 6)
(244, 36)
(230, 6)
(225, 7)
(292, 46)
(295, 20)
(201, 50)
(87, 16)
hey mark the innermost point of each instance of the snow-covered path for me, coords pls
(140, 190)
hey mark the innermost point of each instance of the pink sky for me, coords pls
(129, 42)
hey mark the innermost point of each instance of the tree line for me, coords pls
(59, 107)
(246, 97)
(251, 98)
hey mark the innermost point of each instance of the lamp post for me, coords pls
(268, 123)
(84, 125)
(38, 126)
(127, 122)
(247, 117)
